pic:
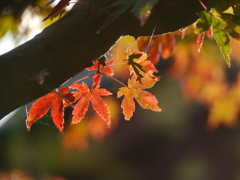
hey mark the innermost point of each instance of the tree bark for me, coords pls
(71, 44)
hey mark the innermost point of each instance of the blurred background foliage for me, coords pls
(197, 137)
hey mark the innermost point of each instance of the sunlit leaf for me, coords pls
(56, 101)
(204, 22)
(200, 38)
(134, 91)
(231, 24)
(222, 39)
(157, 46)
(85, 96)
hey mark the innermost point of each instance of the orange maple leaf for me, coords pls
(52, 100)
(139, 66)
(87, 95)
(157, 46)
(134, 90)
(102, 66)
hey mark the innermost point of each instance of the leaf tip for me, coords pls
(109, 125)
(28, 126)
(60, 127)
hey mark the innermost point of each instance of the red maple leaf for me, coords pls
(200, 38)
(134, 90)
(102, 67)
(56, 101)
(57, 10)
(86, 95)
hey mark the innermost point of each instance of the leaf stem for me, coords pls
(83, 78)
(116, 64)
(58, 93)
(203, 5)
(116, 80)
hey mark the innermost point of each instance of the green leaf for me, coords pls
(204, 22)
(232, 29)
(230, 17)
(231, 23)
(222, 39)
(221, 25)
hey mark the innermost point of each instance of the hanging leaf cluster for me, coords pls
(79, 95)
(221, 24)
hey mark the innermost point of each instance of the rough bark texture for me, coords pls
(68, 46)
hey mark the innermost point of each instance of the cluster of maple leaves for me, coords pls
(202, 76)
(193, 76)
(221, 22)
(80, 95)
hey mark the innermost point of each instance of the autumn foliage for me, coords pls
(201, 78)
(79, 95)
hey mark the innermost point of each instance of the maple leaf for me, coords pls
(200, 38)
(157, 46)
(220, 28)
(134, 58)
(102, 67)
(139, 66)
(134, 90)
(148, 69)
(54, 101)
(86, 95)
(58, 9)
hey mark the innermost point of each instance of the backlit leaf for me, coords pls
(157, 46)
(222, 39)
(204, 22)
(134, 91)
(200, 38)
(54, 101)
(86, 95)
(231, 24)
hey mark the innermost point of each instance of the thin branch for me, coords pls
(203, 5)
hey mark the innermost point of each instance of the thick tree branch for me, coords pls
(68, 46)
